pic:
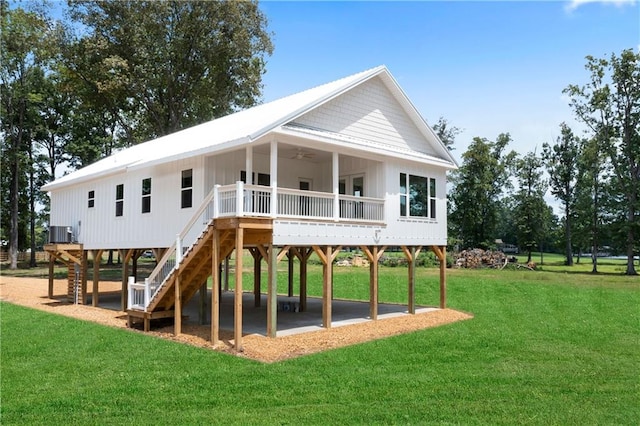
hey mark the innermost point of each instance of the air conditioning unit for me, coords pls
(60, 234)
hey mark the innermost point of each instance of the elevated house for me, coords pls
(347, 164)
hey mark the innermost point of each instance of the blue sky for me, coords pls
(488, 67)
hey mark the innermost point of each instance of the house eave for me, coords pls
(347, 143)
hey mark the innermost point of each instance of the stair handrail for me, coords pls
(160, 273)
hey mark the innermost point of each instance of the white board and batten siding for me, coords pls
(100, 228)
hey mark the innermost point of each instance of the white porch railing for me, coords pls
(305, 204)
(240, 200)
(361, 208)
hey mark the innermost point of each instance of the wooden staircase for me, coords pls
(196, 264)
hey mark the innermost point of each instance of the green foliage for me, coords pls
(609, 104)
(530, 355)
(561, 161)
(478, 186)
(446, 132)
(532, 213)
(166, 66)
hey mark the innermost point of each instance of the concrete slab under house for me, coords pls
(347, 164)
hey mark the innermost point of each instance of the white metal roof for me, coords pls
(239, 128)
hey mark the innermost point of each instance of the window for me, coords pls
(187, 189)
(403, 194)
(417, 196)
(91, 199)
(146, 195)
(432, 198)
(119, 199)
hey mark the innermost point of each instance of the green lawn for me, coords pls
(546, 347)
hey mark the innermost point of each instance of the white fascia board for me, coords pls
(60, 183)
(359, 147)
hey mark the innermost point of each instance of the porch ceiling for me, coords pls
(300, 152)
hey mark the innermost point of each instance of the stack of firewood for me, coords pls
(478, 258)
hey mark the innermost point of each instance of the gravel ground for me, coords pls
(32, 292)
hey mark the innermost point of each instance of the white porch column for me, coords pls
(335, 169)
(273, 170)
(249, 164)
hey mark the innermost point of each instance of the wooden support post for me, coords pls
(272, 292)
(257, 266)
(327, 287)
(412, 255)
(125, 288)
(85, 273)
(373, 255)
(327, 256)
(412, 282)
(134, 264)
(443, 278)
(237, 328)
(52, 261)
(290, 272)
(303, 255)
(126, 257)
(441, 253)
(303, 279)
(226, 273)
(202, 305)
(177, 313)
(97, 258)
(215, 289)
(373, 285)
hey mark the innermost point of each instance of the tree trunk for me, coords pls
(14, 191)
(594, 226)
(567, 236)
(631, 270)
(13, 231)
(32, 210)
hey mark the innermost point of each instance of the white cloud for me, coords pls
(574, 4)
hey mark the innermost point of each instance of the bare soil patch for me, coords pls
(32, 292)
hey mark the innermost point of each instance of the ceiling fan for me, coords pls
(300, 154)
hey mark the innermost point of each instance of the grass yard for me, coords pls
(556, 346)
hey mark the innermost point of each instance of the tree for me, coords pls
(446, 132)
(561, 160)
(609, 104)
(478, 186)
(531, 216)
(591, 195)
(163, 66)
(22, 53)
